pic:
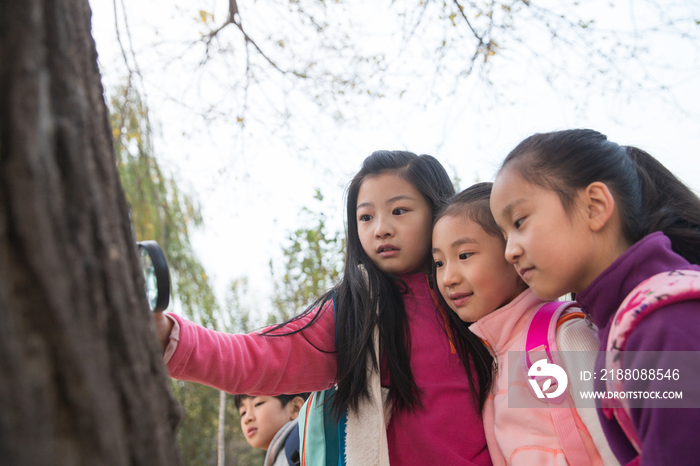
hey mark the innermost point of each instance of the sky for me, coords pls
(251, 184)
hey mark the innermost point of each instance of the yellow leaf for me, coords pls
(205, 16)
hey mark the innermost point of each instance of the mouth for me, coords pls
(460, 299)
(525, 272)
(387, 250)
(251, 431)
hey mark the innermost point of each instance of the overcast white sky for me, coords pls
(251, 190)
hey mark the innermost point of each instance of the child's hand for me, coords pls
(163, 327)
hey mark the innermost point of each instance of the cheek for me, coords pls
(440, 284)
(424, 237)
(364, 240)
(503, 273)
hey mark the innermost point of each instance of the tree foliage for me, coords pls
(198, 442)
(312, 264)
(160, 210)
(267, 61)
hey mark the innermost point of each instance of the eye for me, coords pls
(439, 264)
(465, 255)
(241, 413)
(259, 403)
(398, 211)
(518, 223)
(365, 218)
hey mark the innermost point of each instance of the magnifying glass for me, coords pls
(156, 274)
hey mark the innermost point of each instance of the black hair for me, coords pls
(473, 203)
(649, 197)
(238, 399)
(360, 294)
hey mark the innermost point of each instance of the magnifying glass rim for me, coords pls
(160, 267)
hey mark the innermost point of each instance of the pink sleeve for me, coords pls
(257, 364)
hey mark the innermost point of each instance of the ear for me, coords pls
(295, 404)
(600, 205)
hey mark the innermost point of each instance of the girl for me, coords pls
(582, 214)
(480, 286)
(436, 374)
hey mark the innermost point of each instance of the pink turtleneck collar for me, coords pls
(503, 326)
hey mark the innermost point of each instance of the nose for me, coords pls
(450, 275)
(384, 228)
(248, 416)
(513, 251)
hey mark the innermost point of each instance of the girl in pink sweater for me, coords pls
(480, 286)
(381, 325)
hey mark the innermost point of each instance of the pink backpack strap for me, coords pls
(653, 293)
(540, 342)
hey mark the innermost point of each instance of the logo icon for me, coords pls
(543, 370)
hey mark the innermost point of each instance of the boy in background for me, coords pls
(270, 423)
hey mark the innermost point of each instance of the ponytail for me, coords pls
(669, 205)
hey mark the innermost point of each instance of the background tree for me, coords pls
(627, 68)
(238, 318)
(312, 262)
(160, 210)
(251, 63)
(309, 265)
(80, 367)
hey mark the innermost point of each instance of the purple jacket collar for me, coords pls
(648, 256)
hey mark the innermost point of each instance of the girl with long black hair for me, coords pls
(381, 325)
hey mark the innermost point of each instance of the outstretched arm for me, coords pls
(258, 364)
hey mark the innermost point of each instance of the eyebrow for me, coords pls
(458, 242)
(463, 240)
(508, 210)
(389, 201)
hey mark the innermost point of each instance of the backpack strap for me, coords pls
(306, 430)
(291, 446)
(653, 293)
(321, 435)
(540, 342)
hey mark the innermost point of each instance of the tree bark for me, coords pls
(81, 376)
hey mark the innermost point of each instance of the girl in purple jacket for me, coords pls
(584, 215)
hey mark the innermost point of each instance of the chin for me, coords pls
(547, 295)
(465, 316)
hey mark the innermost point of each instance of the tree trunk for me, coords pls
(81, 376)
(222, 431)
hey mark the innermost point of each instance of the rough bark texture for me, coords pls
(81, 377)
